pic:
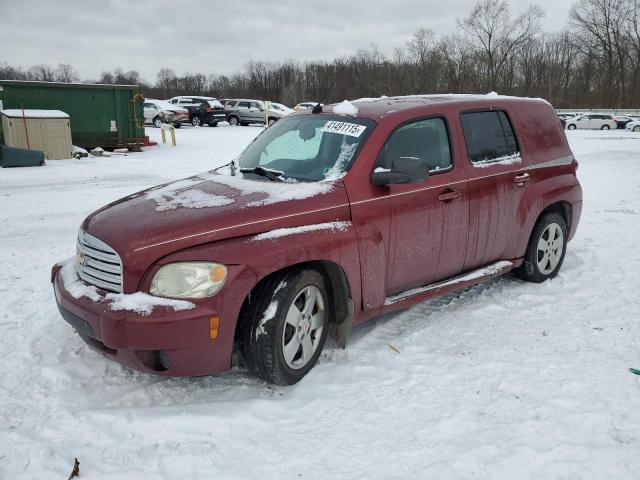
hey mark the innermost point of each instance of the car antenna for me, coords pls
(318, 107)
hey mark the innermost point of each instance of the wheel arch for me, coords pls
(338, 290)
(562, 208)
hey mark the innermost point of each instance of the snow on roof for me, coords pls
(346, 108)
(33, 113)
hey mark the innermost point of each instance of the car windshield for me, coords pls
(307, 147)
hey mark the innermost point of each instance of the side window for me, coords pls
(255, 105)
(488, 135)
(243, 104)
(426, 139)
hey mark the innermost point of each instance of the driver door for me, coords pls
(428, 220)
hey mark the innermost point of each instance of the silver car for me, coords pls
(242, 111)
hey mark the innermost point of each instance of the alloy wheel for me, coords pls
(550, 247)
(304, 323)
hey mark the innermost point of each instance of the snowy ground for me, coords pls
(506, 380)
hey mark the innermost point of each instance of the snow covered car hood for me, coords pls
(147, 225)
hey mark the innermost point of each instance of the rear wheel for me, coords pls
(605, 127)
(195, 121)
(157, 122)
(636, 128)
(284, 327)
(233, 121)
(546, 249)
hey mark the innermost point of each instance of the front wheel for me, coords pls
(605, 127)
(157, 122)
(571, 127)
(636, 128)
(195, 121)
(233, 121)
(284, 326)
(546, 249)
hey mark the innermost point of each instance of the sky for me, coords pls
(219, 37)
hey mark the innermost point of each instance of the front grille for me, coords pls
(98, 264)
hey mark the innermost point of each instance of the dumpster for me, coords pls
(20, 157)
(101, 115)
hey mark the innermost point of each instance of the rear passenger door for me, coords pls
(243, 111)
(257, 114)
(495, 185)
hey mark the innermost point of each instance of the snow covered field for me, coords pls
(505, 380)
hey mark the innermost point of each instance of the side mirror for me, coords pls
(403, 170)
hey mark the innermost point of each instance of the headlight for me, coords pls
(188, 280)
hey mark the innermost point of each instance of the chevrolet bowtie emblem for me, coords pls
(80, 260)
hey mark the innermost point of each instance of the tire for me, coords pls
(177, 125)
(605, 127)
(571, 127)
(195, 121)
(234, 121)
(157, 122)
(272, 121)
(636, 128)
(213, 124)
(546, 249)
(281, 337)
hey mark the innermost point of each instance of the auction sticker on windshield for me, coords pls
(344, 128)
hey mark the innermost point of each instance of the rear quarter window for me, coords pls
(489, 136)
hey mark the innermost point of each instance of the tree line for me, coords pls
(594, 62)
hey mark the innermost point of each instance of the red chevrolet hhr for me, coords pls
(327, 219)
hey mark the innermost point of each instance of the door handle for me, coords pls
(522, 178)
(449, 195)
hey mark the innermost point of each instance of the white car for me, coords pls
(282, 109)
(306, 105)
(158, 112)
(592, 121)
(633, 126)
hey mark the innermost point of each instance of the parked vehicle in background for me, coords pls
(283, 109)
(306, 105)
(202, 110)
(322, 223)
(622, 120)
(633, 126)
(563, 117)
(158, 112)
(245, 111)
(592, 121)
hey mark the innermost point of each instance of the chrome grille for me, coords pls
(98, 264)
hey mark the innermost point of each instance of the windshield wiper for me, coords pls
(265, 172)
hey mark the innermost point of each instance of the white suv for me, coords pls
(592, 121)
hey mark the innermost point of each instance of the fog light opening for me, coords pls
(157, 360)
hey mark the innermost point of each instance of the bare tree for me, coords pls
(66, 73)
(490, 30)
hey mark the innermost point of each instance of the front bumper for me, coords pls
(165, 342)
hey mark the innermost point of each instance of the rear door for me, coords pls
(495, 186)
(257, 113)
(243, 111)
